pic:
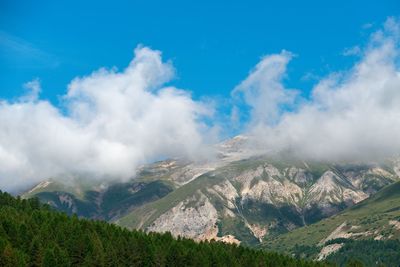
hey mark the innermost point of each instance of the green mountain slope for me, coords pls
(258, 198)
(368, 252)
(240, 201)
(376, 218)
(99, 201)
(33, 235)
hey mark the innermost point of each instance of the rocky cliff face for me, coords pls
(255, 198)
(376, 218)
(237, 197)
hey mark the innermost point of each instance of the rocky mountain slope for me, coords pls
(376, 218)
(237, 197)
(253, 199)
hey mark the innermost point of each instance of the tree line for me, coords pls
(32, 234)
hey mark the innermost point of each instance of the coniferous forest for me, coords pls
(31, 234)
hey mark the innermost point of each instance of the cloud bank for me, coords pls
(350, 115)
(112, 122)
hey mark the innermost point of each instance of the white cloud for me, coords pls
(353, 114)
(115, 121)
(263, 90)
(34, 89)
(352, 51)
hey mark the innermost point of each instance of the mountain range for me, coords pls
(245, 198)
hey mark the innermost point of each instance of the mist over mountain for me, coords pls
(112, 121)
(350, 115)
(200, 133)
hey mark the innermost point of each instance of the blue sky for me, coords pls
(319, 79)
(213, 44)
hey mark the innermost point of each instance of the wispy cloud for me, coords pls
(352, 51)
(263, 90)
(367, 25)
(19, 49)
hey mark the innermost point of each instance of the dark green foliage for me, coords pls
(117, 200)
(368, 253)
(356, 252)
(82, 208)
(128, 196)
(264, 212)
(305, 252)
(337, 241)
(35, 235)
(354, 263)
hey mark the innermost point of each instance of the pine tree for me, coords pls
(36, 252)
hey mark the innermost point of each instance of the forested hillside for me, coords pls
(369, 232)
(368, 252)
(34, 235)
